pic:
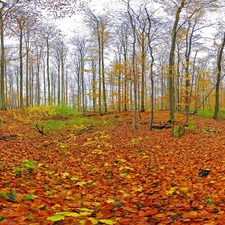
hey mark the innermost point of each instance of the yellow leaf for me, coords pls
(85, 213)
(96, 203)
(184, 189)
(69, 192)
(85, 209)
(62, 146)
(65, 175)
(138, 189)
(106, 164)
(93, 221)
(97, 151)
(110, 200)
(82, 222)
(56, 206)
(145, 157)
(40, 164)
(162, 167)
(193, 213)
(128, 176)
(171, 191)
(123, 160)
(72, 214)
(129, 168)
(110, 222)
(81, 184)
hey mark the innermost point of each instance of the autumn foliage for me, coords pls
(99, 170)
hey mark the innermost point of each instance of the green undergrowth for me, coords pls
(53, 125)
(207, 113)
(55, 119)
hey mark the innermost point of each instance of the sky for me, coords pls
(75, 24)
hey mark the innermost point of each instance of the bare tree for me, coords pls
(80, 45)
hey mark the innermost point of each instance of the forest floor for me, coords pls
(94, 169)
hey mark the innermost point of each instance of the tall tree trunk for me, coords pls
(59, 86)
(44, 80)
(171, 64)
(143, 59)
(3, 103)
(82, 84)
(38, 94)
(119, 86)
(62, 79)
(93, 69)
(99, 71)
(133, 25)
(27, 72)
(48, 72)
(125, 81)
(103, 69)
(219, 60)
(21, 66)
(187, 64)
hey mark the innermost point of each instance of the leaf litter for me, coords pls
(113, 174)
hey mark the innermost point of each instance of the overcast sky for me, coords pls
(76, 23)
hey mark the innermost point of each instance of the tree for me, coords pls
(3, 104)
(48, 32)
(133, 21)
(99, 25)
(219, 61)
(80, 44)
(171, 61)
(151, 33)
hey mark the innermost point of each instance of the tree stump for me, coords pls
(178, 130)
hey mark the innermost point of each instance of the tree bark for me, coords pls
(219, 60)
(3, 103)
(171, 63)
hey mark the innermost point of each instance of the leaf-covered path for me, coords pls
(108, 173)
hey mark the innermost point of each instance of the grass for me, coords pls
(64, 111)
(56, 119)
(54, 125)
(207, 113)
(81, 121)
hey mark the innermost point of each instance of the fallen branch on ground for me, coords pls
(8, 137)
(41, 131)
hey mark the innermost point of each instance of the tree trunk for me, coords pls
(103, 68)
(48, 73)
(171, 64)
(219, 60)
(3, 103)
(21, 65)
(143, 59)
(99, 72)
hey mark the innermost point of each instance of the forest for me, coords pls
(143, 55)
(115, 117)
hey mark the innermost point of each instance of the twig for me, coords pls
(41, 131)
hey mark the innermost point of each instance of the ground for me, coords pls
(94, 169)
